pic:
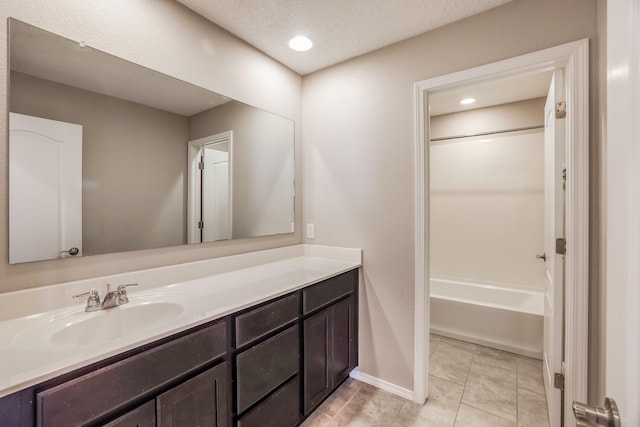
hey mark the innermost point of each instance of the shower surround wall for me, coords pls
(487, 196)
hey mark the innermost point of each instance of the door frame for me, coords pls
(193, 185)
(574, 59)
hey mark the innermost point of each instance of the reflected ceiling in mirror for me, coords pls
(137, 181)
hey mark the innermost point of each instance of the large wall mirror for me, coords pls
(108, 156)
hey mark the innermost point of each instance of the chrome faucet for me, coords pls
(111, 298)
(93, 302)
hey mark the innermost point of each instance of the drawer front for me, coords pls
(263, 320)
(328, 291)
(142, 416)
(265, 367)
(96, 394)
(282, 409)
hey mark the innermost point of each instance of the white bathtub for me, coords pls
(509, 319)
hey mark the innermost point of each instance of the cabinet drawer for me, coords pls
(142, 416)
(328, 291)
(98, 393)
(282, 409)
(260, 321)
(265, 367)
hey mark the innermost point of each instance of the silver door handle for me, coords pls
(542, 257)
(607, 416)
(72, 251)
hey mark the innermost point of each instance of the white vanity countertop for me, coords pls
(225, 285)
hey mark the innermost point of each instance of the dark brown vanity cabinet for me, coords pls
(269, 365)
(294, 351)
(183, 378)
(330, 337)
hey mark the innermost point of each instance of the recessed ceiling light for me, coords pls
(467, 101)
(300, 43)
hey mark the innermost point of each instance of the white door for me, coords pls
(45, 189)
(554, 134)
(622, 198)
(216, 202)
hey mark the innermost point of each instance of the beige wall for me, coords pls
(134, 164)
(165, 36)
(262, 166)
(359, 158)
(487, 196)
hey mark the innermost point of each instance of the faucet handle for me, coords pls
(93, 302)
(122, 293)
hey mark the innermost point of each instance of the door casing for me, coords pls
(573, 58)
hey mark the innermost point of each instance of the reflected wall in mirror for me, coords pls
(142, 137)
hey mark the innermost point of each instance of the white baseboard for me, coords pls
(382, 384)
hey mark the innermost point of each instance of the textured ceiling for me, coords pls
(340, 29)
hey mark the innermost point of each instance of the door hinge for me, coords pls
(201, 165)
(561, 110)
(200, 225)
(561, 246)
(558, 381)
(564, 178)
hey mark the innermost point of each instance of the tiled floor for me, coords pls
(470, 386)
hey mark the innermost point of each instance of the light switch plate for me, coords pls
(311, 232)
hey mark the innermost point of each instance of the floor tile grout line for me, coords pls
(533, 391)
(343, 406)
(467, 380)
(491, 413)
(517, 396)
(455, 419)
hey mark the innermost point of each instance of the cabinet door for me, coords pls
(330, 350)
(142, 416)
(201, 401)
(343, 357)
(317, 365)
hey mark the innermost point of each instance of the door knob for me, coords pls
(607, 416)
(543, 257)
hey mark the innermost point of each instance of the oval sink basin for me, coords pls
(79, 328)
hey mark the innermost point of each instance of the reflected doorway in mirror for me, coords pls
(211, 188)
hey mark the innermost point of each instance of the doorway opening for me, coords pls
(570, 60)
(210, 207)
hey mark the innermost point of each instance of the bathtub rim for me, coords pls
(488, 286)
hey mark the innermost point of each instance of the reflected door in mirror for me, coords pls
(45, 189)
(215, 200)
(210, 197)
